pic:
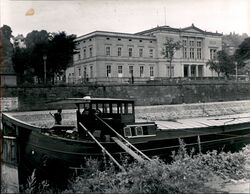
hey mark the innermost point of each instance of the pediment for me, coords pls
(192, 29)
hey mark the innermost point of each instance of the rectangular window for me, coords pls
(108, 70)
(193, 70)
(84, 53)
(140, 52)
(170, 71)
(191, 43)
(200, 71)
(130, 108)
(191, 56)
(141, 71)
(130, 50)
(212, 53)
(90, 52)
(186, 71)
(151, 53)
(198, 53)
(184, 42)
(85, 72)
(119, 51)
(107, 51)
(167, 54)
(131, 70)
(198, 43)
(79, 72)
(127, 132)
(91, 71)
(120, 69)
(151, 71)
(185, 53)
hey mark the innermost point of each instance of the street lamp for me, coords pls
(44, 67)
(236, 71)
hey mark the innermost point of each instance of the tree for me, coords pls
(28, 62)
(58, 47)
(243, 52)
(222, 63)
(60, 52)
(37, 61)
(21, 63)
(6, 47)
(169, 49)
(36, 37)
(214, 65)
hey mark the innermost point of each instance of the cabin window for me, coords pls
(151, 129)
(119, 108)
(133, 131)
(123, 108)
(139, 130)
(100, 107)
(126, 108)
(130, 108)
(94, 106)
(110, 108)
(86, 106)
(127, 131)
(145, 130)
(115, 108)
(105, 108)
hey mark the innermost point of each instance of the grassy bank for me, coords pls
(187, 173)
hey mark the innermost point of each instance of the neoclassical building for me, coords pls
(112, 56)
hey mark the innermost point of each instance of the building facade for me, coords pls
(112, 56)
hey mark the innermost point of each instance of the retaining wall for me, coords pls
(173, 112)
(35, 98)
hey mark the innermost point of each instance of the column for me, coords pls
(189, 70)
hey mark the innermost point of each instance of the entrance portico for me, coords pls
(193, 70)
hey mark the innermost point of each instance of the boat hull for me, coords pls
(53, 156)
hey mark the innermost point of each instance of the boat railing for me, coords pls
(124, 141)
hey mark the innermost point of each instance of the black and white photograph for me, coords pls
(124, 96)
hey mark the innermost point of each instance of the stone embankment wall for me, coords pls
(36, 98)
(173, 112)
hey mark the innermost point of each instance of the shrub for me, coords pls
(187, 173)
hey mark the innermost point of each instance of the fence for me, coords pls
(156, 80)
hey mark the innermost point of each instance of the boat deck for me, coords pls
(43, 119)
(203, 122)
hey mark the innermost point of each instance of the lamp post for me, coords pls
(236, 71)
(44, 67)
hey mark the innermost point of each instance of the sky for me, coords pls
(130, 16)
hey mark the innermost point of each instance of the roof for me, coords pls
(114, 34)
(190, 29)
(87, 99)
(144, 34)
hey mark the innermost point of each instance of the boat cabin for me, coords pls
(98, 115)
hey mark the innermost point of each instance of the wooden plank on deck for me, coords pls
(127, 149)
